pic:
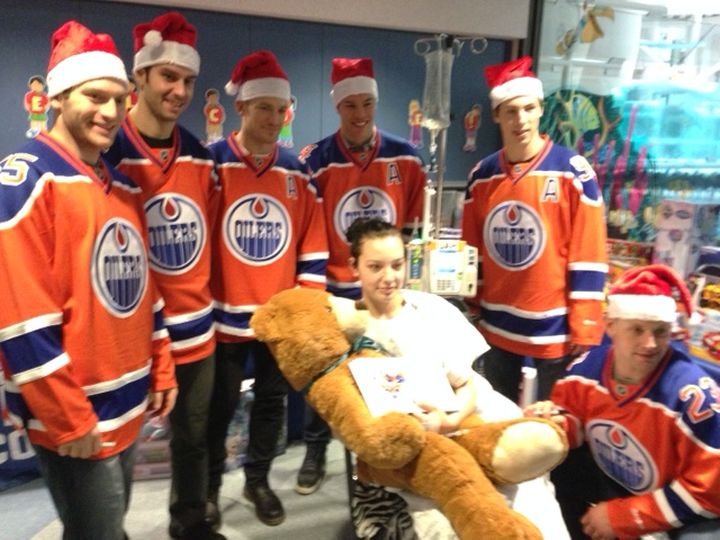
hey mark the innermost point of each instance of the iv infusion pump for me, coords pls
(447, 267)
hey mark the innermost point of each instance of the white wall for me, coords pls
(504, 19)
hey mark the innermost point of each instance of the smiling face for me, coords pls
(638, 346)
(89, 116)
(380, 268)
(165, 92)
(519, 122)
(262, 120)
(357, 117)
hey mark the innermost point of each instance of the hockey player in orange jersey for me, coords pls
(80, 330)
(270, 236)
(175, 173)
(535, 212)
(362, 171)
(644, 423)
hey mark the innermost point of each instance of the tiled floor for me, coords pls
(26, 512)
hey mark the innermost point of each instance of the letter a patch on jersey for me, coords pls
(292, 190)
(550, 192)
(393, 174)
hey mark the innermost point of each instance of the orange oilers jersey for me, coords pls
(179, 191)
(80, 329)
(540, 232)
(270, 234)
(388, 184)
(660, 441)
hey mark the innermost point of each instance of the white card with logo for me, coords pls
(398, 383)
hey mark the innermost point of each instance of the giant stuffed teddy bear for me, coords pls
(310, 333)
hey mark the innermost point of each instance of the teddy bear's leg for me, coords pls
(513, 451)
(450, 477)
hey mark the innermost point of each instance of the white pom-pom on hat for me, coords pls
(152, 38)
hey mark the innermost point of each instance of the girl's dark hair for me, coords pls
(363, 228)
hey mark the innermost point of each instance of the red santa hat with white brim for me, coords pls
(167, 39)
(351, 76)
(258, 75)
(512, 79)
(78, 55)
(646, 293)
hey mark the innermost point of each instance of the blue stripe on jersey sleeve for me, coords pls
(353, 293)
(316, 267)
(17, 405)
(681, 510)
(190, 329)
(158, 321)
(587, 281)
(234, 320)
(33, 349)
(114, 403)
(524, 326)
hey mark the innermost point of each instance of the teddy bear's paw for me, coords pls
(527, 450)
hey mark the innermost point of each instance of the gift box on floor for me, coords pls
(152, 455)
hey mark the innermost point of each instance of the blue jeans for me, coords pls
(90, 496)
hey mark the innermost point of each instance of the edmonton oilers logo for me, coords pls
(365, 201)
(621, 456)
(119, 267)
(514, 235)
(176, 231)
(256, 229)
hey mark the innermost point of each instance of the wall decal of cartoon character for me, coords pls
(286, 136)
(214, 116)
(415, 117)
(472, 123)
(36, 104)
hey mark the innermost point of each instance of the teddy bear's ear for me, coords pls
(263, 323)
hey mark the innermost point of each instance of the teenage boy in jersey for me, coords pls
(270, 236)
(362, 172)
(175, 174)
(644, 422)
(80, 329)
(535, 212)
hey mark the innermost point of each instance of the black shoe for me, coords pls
(268, 507)
(213, 517)
(199, 531)
(312, 471)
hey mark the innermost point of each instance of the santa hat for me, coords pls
(352, 76)
(167, 39)
(646, 293)
(258, 75)
(512, 79)
(78, 55)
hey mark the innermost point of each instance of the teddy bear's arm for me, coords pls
(388, 441)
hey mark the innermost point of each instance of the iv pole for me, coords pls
(439, 52)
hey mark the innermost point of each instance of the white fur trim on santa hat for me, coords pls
(522, 86)
(166, 52)
(354, 85)
(267, 87)
(642, 307)
(84, 67)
